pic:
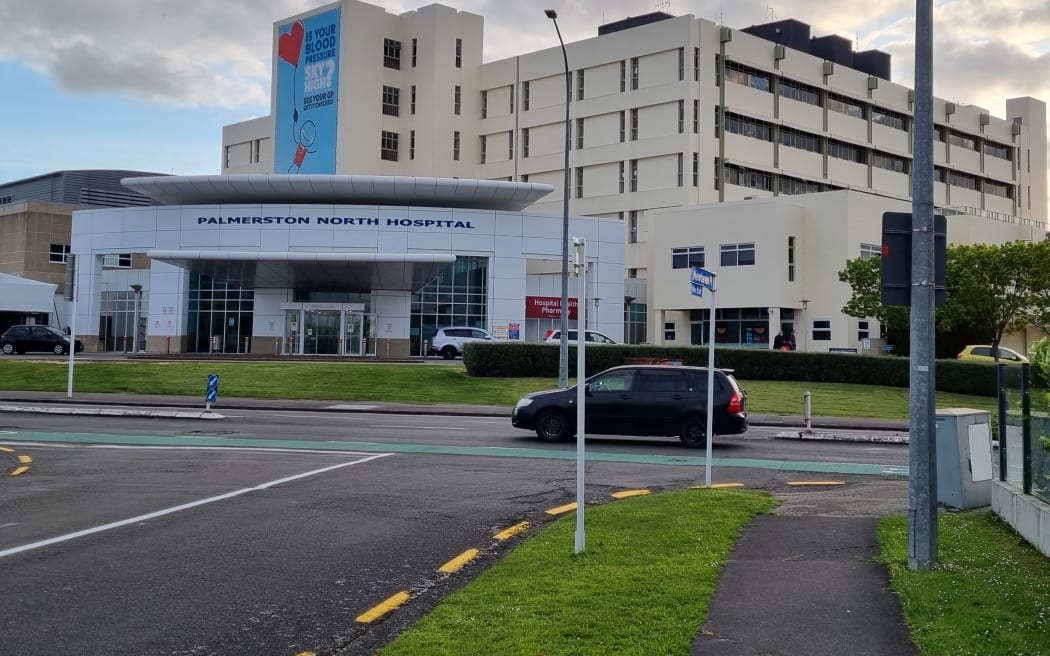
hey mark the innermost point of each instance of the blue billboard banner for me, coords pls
(307, 95)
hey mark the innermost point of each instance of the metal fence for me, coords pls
(1024, 431)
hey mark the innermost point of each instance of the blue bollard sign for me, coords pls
(213, 390)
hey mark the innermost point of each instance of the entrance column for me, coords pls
(393, 311)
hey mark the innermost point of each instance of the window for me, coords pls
(391, 100)
(457, 100)
(388, 146)
(892, 163)
(998, 189)
(579, 133)
(579, 182)
(887, 118)
(737, 254)
(634, 124)
(746, 177)
(791, 258)
(412, 100)
(962, 140)
(993, 149)
(623, 75)
(696, 169)
(798, 91)
(748, 77)
(58, 253)
(634, 73)
(696, 64)
(964, 180)
(579, 84)
(525, 96)
(669, 331)
(681, 64)
(748, 127)
(681, 116)
(844, 105)
(512, 99)
(412, 144)
(687, 257)
(632, 227)
(459, 53)
(392, 54)
(696, 116)
(510, 145)
(524, 142)
(681, 169)
(484, 104)
(790, 186)
(484, 148)
(793, 138)
(117, 260)
(634, 175)
(843, 150)
(622, 169)
(822, 330)
(455, 145)
(868, 251)
(623, 126)
(863, 330)
(414, 53)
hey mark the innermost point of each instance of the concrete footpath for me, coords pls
(797, 583)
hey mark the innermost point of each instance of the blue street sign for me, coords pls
(211, 396)
(703, 277)
(213, 381)
(697, 290)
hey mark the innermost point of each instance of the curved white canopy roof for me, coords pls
(339, 189)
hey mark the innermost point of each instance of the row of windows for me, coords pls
(392, 53)
(687, 257)
(59, 254)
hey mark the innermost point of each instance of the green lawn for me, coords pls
(641, 587)
(418, 383)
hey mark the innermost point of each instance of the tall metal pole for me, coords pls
(922, 481)
(563, 352)
(580, 260)
(710, 390)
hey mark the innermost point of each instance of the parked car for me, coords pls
(984, 353)
(639, 400)
(448, 342)
(21, 339)
(593, 337)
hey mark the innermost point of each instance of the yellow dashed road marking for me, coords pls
(307, 653)
(25, 460)
(20, 470)
(382, 609)
(629, 493)
(6, 450)
(562, 509)
(459, 561)
(508, 533)
(803, 483)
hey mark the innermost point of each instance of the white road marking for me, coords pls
(9, 525)
(417, 427)
(185, 506)
(476, 421)
(347, 406)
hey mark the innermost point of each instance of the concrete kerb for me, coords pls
(111, 412)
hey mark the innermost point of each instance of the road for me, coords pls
(272, 532)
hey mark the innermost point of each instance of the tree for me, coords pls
(862, 275)
(1039, 268)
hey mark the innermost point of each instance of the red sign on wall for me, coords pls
(547, 307)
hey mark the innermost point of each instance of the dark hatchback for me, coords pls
(21, 339)
(639, 400)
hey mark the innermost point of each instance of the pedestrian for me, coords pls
(778, 341)
(66, 330)
(791, 341)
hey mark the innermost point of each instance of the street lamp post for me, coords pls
(805, 324)
(137, 288)
(563, 353)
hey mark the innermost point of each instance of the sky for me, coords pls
(148, 84)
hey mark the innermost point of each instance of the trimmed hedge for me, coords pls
(522, 359)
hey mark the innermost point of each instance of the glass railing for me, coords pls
(1024, 431)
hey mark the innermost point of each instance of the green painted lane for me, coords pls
(439, 449)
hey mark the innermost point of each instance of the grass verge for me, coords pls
(989, 594)
(417, 383)
(642, 586)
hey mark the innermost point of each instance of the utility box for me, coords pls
(964, 457)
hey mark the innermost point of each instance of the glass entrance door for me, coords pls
(354, 332)
(322, 332)
(292, 321)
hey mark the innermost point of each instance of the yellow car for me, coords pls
(984, 353)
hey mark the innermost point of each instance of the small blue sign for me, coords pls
(703, 277)
(211, 395)
(698, 290)
(213, 381)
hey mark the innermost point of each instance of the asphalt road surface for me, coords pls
(272, 532)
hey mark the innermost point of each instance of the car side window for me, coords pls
(661, 382)
(617, 381)
(572, 335)
(698, 382)
(983, 350)
(40, 333)
(478, 334)
(21, 332)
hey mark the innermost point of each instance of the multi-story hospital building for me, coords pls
(765, 154)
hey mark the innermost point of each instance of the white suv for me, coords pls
(593, 337)
(448, 342)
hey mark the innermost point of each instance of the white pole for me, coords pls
(73, 328)
(710, 387)
(581, 384)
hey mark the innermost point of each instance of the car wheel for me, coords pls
(449, 352)
(8, 348)
(693, 431)
(59, 349)
(552, 426)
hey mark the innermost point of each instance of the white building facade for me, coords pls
(653, 126)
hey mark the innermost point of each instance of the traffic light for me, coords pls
(895, 265)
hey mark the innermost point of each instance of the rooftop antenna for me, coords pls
(664, 5)
(772, 14)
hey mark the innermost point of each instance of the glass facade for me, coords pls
(220, 314)
(747, 327)
(116, 322)
(457, 297)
